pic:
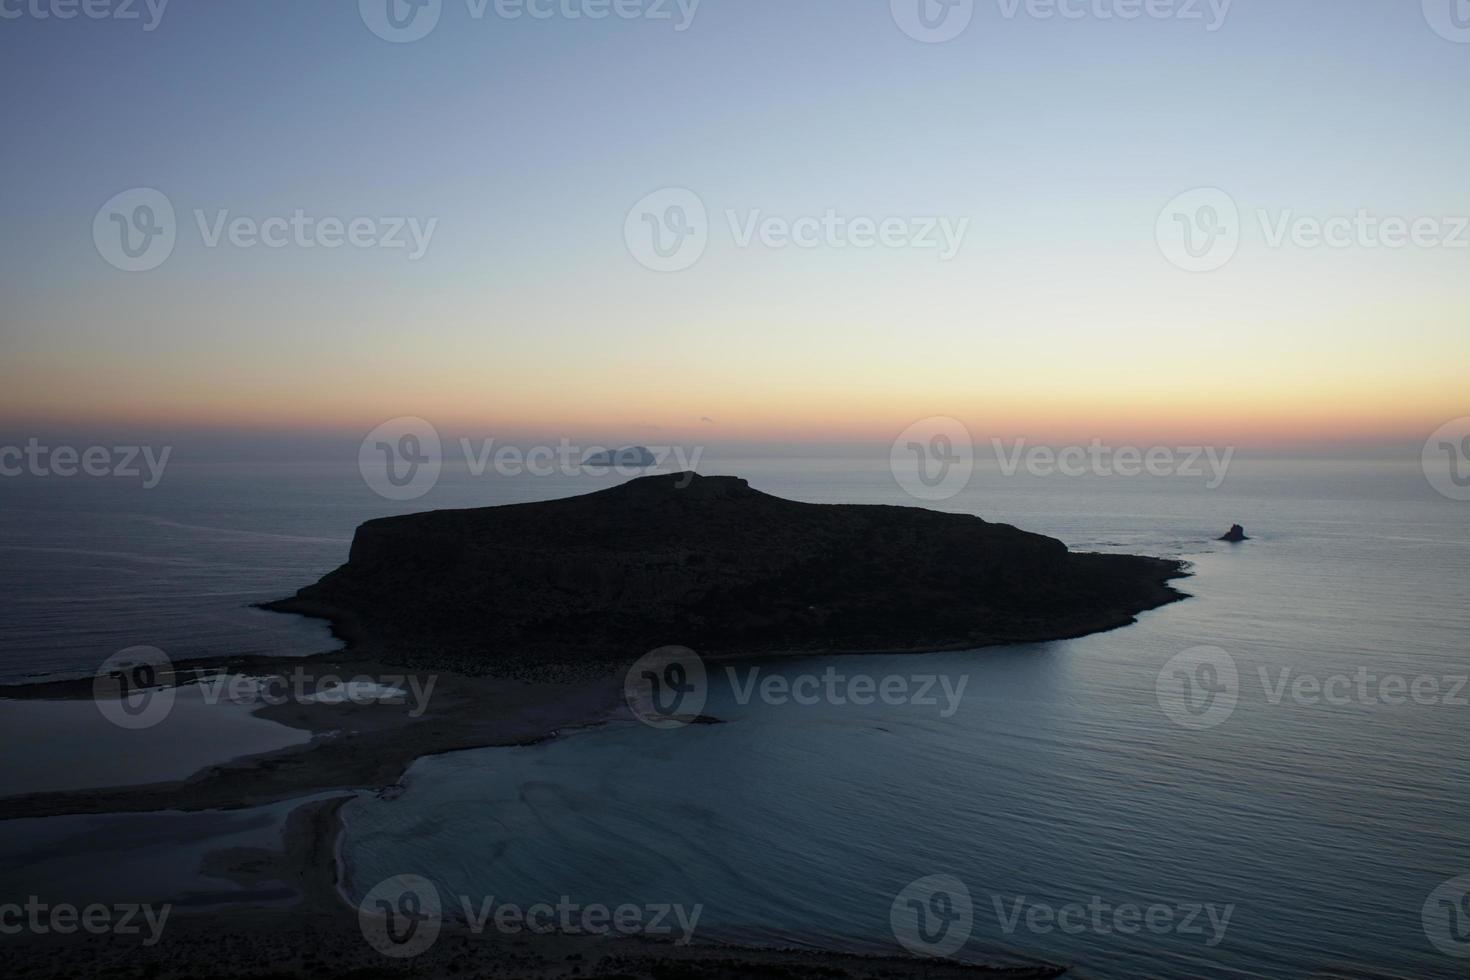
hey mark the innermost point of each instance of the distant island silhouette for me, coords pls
(710, 563)
(636, 457)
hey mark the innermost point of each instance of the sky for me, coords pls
(537, 157)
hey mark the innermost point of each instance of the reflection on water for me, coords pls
(1060, 781)
(141, 857)
(62, 745)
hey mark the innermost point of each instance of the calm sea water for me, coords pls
(142, 857)
(47, 746)
(93, 566)
(1059, 779)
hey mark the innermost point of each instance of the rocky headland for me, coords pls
(712, 564)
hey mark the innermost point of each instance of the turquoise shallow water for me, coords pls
(1059, 780)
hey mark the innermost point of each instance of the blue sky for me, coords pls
(529, 140)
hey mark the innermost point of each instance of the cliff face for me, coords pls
(709, 563)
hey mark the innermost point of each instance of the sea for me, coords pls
(1270, 779)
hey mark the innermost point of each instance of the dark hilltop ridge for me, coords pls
(709, 563)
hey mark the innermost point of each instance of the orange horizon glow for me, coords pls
(1333, 383)
(1262, 422)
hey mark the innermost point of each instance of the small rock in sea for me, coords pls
(1236, 533)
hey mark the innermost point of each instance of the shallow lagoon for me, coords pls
(65, 745)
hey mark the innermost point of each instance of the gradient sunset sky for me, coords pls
(530, 140)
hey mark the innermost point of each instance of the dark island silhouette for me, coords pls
(1235, 535)
(629, 457)
(710, 563)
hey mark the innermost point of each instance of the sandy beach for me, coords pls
(354, 745)
(367, 748)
